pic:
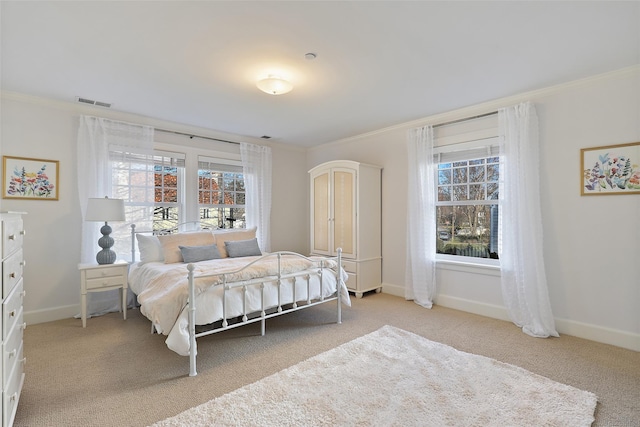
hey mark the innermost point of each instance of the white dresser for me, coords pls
(12, 324)
(346, 213)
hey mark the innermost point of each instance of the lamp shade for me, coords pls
(274, 85)
(105, 209)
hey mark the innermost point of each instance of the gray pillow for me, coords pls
(240, 248)
(199, 253)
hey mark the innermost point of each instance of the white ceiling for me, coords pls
(378, 63)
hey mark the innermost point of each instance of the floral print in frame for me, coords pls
(613, 169)
(26, 178)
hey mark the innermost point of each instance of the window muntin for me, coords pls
(467, 207)
(221, 195)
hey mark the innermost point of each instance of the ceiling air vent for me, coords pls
(92, 102)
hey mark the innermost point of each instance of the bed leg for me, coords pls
(262, 326)
(193, 349)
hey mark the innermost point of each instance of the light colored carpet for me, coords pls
(394, 377)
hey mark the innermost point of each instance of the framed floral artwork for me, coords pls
(32, 179)
(612, 169)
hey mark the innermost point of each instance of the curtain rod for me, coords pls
(190, 135)
(479, 116)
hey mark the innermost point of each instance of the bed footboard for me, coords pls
(263, 315)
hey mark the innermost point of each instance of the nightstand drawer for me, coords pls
(11, 272)
(105, 272)
(105, 282)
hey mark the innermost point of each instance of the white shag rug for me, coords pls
(392, 377)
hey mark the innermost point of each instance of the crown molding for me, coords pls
(489, 106)
(109, 113)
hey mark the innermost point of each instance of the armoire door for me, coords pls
(343, 219)
(320, 211)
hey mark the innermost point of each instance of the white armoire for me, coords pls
(346, 213)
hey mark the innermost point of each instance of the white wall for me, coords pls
(46, 129)
(591, 244)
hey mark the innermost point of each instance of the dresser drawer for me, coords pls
(12, 235)
(11, 348)
(11, 308)
(11, 272)
(12, 389)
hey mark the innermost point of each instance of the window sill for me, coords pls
(492, 269)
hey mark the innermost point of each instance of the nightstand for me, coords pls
(103, 277)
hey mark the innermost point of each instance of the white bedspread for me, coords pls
(162, 291)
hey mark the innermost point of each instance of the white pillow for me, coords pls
(150, 248)
(171, 243)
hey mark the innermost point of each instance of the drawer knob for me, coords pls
(12, 313)
(12, 275)
(12, 353)
(23, 294)
(24, 326)
(23, 232)
(23, 263)
(12, 237)
(13, 397)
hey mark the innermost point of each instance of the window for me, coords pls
(150, 182)
(168, 176)
(221, 193)
(467, 203)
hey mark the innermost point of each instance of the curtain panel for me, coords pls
(420, 273)
(256, 169)
(96, 138)
(523, 277)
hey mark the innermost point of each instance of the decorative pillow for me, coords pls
(150, 248)
(171, 242)
(232, 235)
(199, 253)
(240, 248)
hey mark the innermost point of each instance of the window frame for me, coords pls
(223, 166)
(465, 151)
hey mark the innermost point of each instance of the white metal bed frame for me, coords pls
(262, 316)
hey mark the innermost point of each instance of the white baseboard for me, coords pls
(475, 307)
(600, 334)
(49, 315)
(586, 331)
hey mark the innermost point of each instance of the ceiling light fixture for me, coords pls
(274, 85)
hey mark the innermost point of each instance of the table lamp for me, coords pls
(105, 209)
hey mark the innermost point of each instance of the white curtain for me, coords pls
(421, 222)
(96, 136)
(256, 169)
(524, 283)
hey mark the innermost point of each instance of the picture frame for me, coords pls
(30, 179)
(610, 170)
